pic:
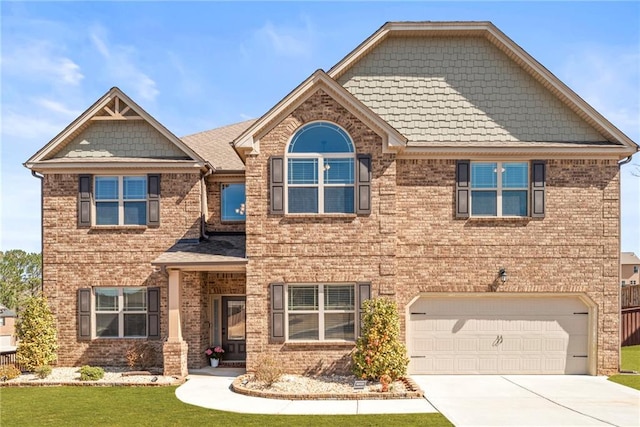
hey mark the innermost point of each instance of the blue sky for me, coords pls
(197, 66)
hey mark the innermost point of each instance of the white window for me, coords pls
(633, 282)
(2, 321)
(321, 312)
(320, 170)
(120, 312)
(635, 269)
(499, 188)
(120, 200)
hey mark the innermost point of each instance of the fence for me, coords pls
(8, 358)
(630, 296)
(630, 326)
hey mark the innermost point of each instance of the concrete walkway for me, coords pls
(209, 388)
(531, 400)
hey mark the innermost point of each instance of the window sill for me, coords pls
(119, 227)
(324, 215)
(499, 218)
(327, 345)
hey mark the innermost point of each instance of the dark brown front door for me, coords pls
(234, 328)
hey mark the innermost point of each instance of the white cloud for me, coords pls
(40, 60)
(29, 127)
(57, 107)
(120, 64)
(287, 41)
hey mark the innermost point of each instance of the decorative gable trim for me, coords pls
(248, 142)
(115, 105)
(487, 30)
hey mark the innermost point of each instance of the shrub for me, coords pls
(379, 351)
(9, 372)
(43, 371)
(269, 370)
(36, 330)
(91, 373)
(141, 355)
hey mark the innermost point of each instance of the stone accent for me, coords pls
(175, 358)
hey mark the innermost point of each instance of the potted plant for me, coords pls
(214, 354)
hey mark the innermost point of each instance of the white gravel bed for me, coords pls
(112, 375)
(299, 384)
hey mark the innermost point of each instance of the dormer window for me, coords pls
(320, 170)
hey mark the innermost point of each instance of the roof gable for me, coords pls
(249, 140)
(114, 130)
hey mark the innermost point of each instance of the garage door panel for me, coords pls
(499, 335)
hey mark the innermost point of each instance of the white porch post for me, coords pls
(175, 328)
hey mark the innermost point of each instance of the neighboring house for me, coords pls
(7, 330)
(437, 164)
(629, 269)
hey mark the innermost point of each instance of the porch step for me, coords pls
(233, 364)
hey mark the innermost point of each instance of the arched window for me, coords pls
(320, 170)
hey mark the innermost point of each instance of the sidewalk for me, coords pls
(209, 388)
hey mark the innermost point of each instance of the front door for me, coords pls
(234, 328)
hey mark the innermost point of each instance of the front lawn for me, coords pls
(630, 362)
(158, 406)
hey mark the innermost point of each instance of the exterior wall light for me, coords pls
(503, 275)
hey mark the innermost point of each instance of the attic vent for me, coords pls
(116, 109)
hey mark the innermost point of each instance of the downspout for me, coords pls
(41, 178)
(203, 201)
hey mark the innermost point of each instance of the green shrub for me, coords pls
(91, 373)
(36, 330)
(141, 355)
(9, 372)
(43, 371)
(269, 370)
(379, 351)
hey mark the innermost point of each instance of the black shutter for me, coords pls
(462, 188)
(277, 312)
(153, 202)
(363, 185)
(538, 178)
(153, 313)
(364, 293)
(84, 314)
(276, 184)
(84, 200)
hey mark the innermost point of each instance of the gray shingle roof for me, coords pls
(219, 249)
(215, 145)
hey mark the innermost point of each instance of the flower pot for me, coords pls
(214, 362)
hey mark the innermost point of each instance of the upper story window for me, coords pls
(120, 200)
(499, 188)
(635, 268)
(320, 170)
(232, 202)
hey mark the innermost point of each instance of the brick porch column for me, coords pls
(175, 349)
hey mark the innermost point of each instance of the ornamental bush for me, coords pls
(141, 355)
(91, 373)
(379, 351)
(9, 372)
(36, 330)
(43, 371)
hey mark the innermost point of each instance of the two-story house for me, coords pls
(629, 269)
(438, 164)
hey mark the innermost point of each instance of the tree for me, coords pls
(36, 331)
(379, 354)
(20, 277)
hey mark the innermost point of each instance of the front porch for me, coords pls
(206, 302)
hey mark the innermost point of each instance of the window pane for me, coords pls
(135, 213)
(135, 325)
(303, 200)
(321, 138)
(106, 188)
(484, 175)
(339, 326)
(338, 171)
(107, 325)
(338, 297)
(107, 213)
(484, 203)
(303, 297)
(106, 299)
(303, 327)
(236, 320)
(514, 203)
(303, 171)
(515, 175)
(134, 187)
(338, 199)
(233, 202)
(135, 299)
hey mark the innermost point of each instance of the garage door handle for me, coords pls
(580, 355)
(418, 357)
(418, 313)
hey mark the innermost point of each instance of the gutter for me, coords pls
(203, 201)
(41, 178)
(625, 160)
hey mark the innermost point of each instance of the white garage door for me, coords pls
(498, 335)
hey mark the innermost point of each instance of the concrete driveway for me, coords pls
(531, 400)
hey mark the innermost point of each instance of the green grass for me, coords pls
(630, 362)
(158, 406)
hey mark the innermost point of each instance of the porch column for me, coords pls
(175, 349)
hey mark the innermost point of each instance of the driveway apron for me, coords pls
(531, 400)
